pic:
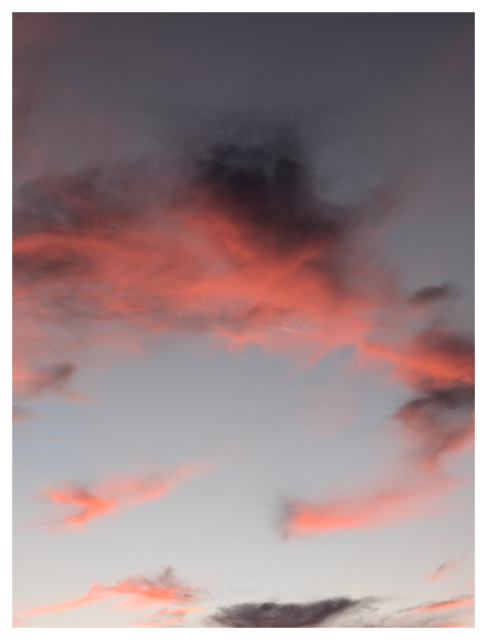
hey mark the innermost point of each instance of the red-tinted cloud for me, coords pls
(246, 251)
(99, 255)
(142, 593)
(453, 603)
(375, 509)
(115, 495)
(437, 423)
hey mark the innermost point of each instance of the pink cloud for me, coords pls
(165, 617)
(112, 256)
(142, 593)
(368, 510)
(114, 495)
(453, 603)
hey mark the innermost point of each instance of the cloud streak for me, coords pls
(368, 510)
(115, 495)
(453, 603)
(140, 592)
(165, 617)
(444, 569)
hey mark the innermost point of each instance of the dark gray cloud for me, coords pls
(259, 177)
(55, 376)
(432, 294)
(264, 179)
(19, 412)
(273, 614)
(440, 420)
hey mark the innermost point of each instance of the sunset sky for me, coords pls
(243, 355)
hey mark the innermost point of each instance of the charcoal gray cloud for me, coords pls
(273, 614)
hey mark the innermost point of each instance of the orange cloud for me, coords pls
(365, 511)
(143, 593)
(245, 251)
(102, 256)
(119, 493)
(436, 356)
(93, 250)
(453, 603)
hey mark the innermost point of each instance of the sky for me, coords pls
(243, 318)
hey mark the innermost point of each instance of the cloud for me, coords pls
(272, 614)
(439, 422)
(236, 242)
(113, 496)
(142, 593)
(21, 413)
(368, 510)
(444, 569)
(241, 248)
(427, 615)
(453, 603)
(433, 294)
(165, 617)
(437, 357)
(55, 377)
(436, 424)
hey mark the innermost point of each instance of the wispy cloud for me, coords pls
(116, 494)
(445, 569)
(367, 510)
(426, 615)
(453, 603)
(433, 294)
(21, 413)
(165, 617)
(141, 592)
(436, 424)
